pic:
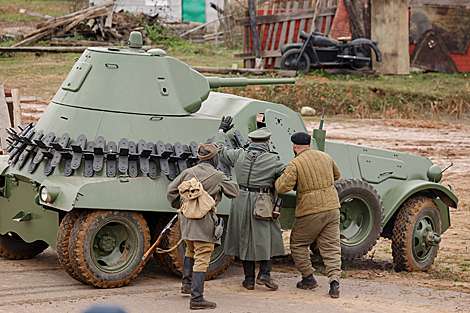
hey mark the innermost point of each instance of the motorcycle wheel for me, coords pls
(360, 51)
(288, 59)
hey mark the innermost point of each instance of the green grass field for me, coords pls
(9, 9)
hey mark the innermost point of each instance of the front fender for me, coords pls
(123, 193)
(371, 43)
(291, 46)
(397, 196)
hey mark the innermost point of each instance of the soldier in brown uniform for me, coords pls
(317, 214)
(198, 234)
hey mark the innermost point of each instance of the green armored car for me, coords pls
(90, 178)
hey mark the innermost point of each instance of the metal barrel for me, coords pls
(216, 82)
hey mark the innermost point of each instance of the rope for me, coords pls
(159, 250)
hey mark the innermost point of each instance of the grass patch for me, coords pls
(9, 9)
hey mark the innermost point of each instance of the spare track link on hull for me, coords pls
(127, 157)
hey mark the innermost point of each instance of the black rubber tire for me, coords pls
(409, 218)
(15, 248)
(364, 195)
(174, 260)
(361, 51)
(82, 247)
(302, 67)
(63, 236)
(161, 258)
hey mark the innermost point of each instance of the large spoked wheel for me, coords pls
(416, 235)
(13, 247)
(288, 61)
(106, 247)
(63, 236)
(361, 217)
(363, 52)
(174, 260)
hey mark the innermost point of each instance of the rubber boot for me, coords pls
(249, 269)
(264, 275)
(187, 275)
(308, 282)
(334, 289)
(197, 301)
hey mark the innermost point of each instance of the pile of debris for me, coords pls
(97, 23)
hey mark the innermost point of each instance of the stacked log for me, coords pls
(94, 23)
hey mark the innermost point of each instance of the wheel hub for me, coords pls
(355, 220)
(107, 243)
(424, 238)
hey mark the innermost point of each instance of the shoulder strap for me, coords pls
(206, 177)
(253, 159)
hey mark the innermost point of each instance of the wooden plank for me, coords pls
(263, 27)
(4, 120)
(36, 14)
(389, 26)
(302, 22)
(270, 32)
(264, 54)
(287, 17)
(276, 27)
(15, 94)
(246, 46)
(290, 37)
(109, 18)
(24, 99)
(282, 39)
(328, 20)
(320, 18)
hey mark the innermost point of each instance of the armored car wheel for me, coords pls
(63, 236)
(174, 260)
(416, 235)
(13, 247)
(361, 217)
(106, 247)
(288, 60)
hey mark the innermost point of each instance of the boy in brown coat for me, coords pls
(317, 214)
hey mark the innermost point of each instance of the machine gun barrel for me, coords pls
(216, 82)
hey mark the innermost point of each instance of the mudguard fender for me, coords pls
(288, 47)
(398, 195)
(371, 43)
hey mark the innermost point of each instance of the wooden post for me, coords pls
(389, 26)
(15, 94)
(255, 34)
(4, 120)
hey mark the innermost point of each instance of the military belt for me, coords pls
(259, 190)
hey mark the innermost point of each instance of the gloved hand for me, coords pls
(226, 124)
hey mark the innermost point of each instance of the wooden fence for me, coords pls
(281, 23)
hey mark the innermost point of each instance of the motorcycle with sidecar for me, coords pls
(318, 50)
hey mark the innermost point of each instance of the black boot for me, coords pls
(187, 275)
(197, 301)
(308, 282)
(334, 289)
(264, 275)
(249, 269)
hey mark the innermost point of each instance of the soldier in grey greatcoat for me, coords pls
(252, 239)
(198, 234)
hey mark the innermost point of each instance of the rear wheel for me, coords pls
(106, 247)
(361, 217)
(14, 247)
(416, 235)
(174, 260)
(288, 61)
(363, 52)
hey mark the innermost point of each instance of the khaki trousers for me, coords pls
(324, 228)
(201, 253)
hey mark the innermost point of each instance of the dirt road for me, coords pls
(40, 285)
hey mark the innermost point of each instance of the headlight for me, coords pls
(45, 197)
(48, 194)
(434, 173)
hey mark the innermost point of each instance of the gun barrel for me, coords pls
(216, 82)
